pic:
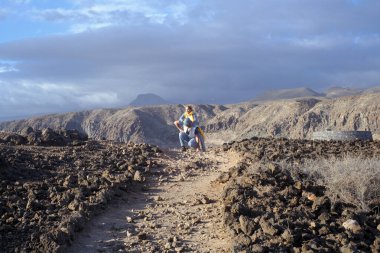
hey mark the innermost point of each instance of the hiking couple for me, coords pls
(190, 134)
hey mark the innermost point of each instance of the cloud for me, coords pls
(99, 98)
(91, 15)
(19, 1)
(198, 51)
(24, 98)
(7, 66)
(3, 13)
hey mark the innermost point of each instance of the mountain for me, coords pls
(372, 89)
(288, 94)
(335, 92)
(293, 118)
(148, 99)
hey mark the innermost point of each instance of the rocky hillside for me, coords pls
(291, 118)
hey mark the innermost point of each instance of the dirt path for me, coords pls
(179, 212)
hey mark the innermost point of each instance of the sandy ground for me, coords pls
(177, 209)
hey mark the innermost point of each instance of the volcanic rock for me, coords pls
(282, 210)
(48, 193)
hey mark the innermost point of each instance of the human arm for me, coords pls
(195, 118)
(178, 125)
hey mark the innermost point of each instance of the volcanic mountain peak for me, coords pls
(148, 99)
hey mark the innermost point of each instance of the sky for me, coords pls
(72, 55)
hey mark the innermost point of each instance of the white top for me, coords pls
(190, 131)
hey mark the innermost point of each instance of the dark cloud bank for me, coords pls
(227, 53)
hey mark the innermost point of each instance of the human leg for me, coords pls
(193, 143)
(202, 144)
(183, 139)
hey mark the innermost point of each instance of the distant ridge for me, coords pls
(372, 89)
(335, 92)
(294, 118)
(288, 94)
(148, 99)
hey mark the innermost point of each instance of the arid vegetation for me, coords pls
(354, 180)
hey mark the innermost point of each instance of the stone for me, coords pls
(168, 245)
(298, 185)
(142, 236)
(267, 227)
(241, 242)
(256, 248)
(70, 181)
(247, 225)
(348, 249)
(137, 176)
(324, 230)
(287, 236)
(223, 177)
(74, 205)
(179, 249)
(321, 203)
(352, 225)
(324, 217)
(204, 199)
(158, 198)
(309, 195)
(375, 247)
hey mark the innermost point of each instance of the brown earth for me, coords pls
(132, 198)
(181, 211)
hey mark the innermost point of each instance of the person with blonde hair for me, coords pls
(189, 113)
(189, 131)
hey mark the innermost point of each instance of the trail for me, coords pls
(176, 210)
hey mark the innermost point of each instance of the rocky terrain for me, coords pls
(44, 137)
(51, 183)
(81, 195)
(58, 172)
(291, 118)
(269, 207)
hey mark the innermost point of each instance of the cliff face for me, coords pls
(300, 118)
(346, 113)
(295, 118)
